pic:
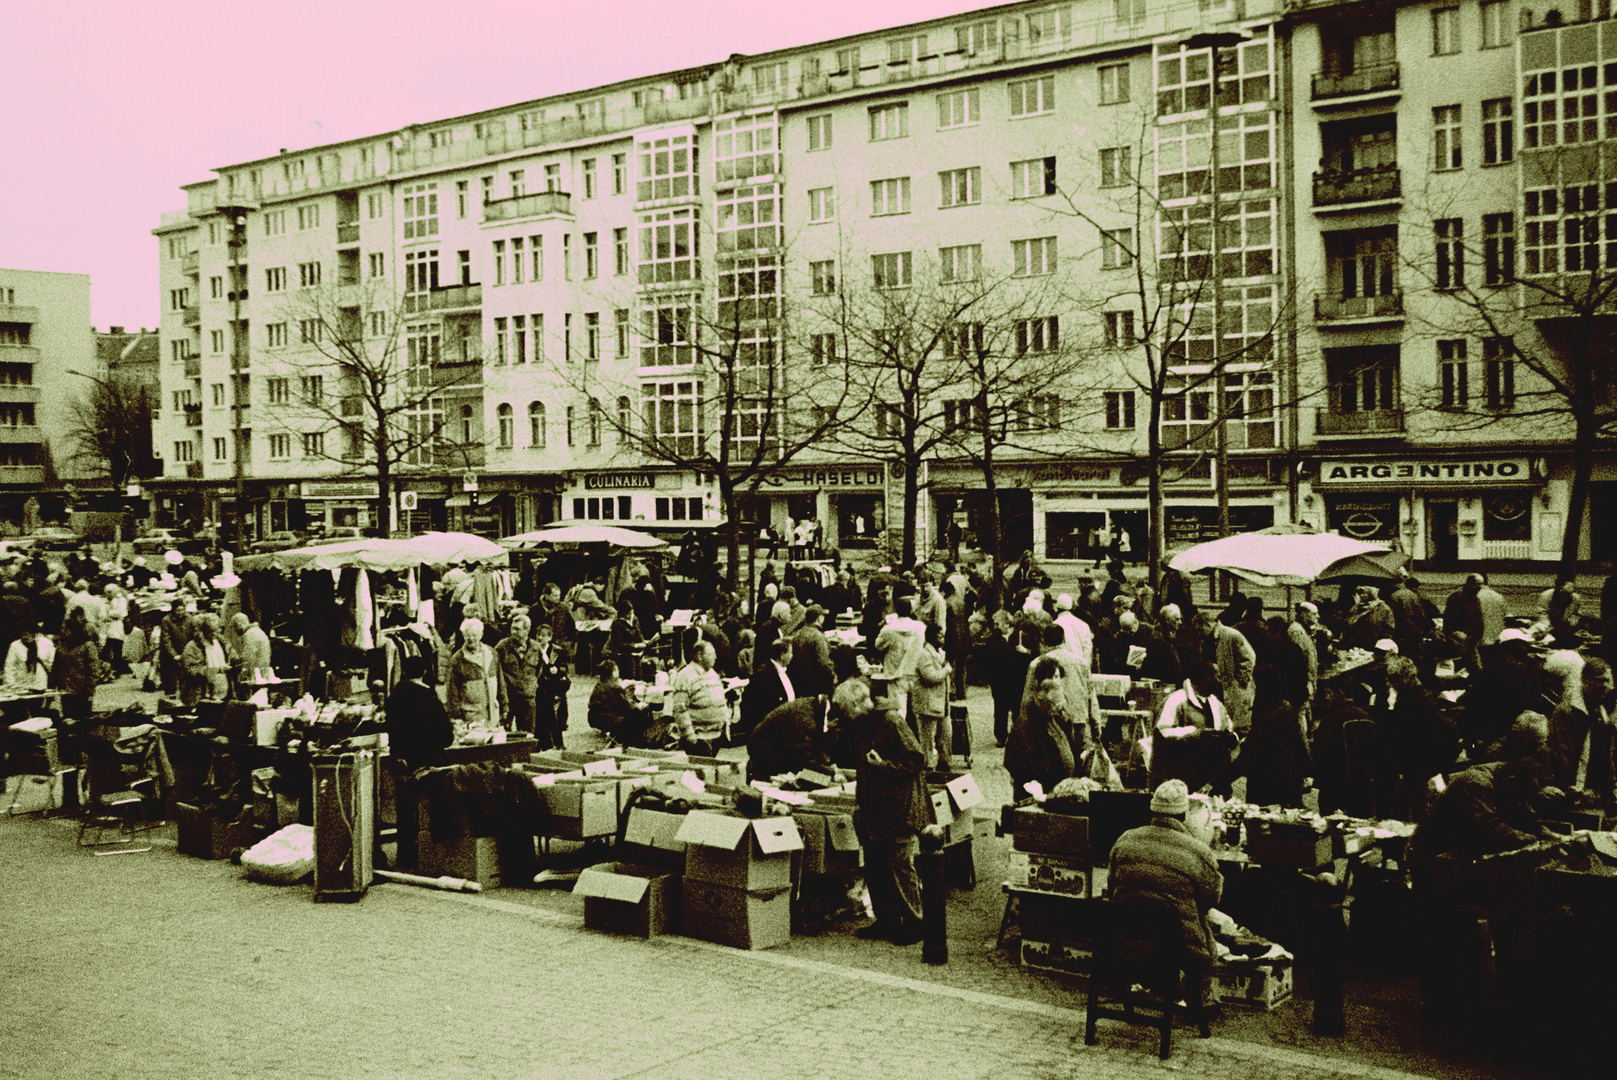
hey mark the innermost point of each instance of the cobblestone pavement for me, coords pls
(157, 965)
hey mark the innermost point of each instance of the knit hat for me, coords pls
(1171, 797)
(1064, 602)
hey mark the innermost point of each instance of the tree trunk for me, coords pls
(732, 546)
(911, 499)
(1582, 464)
(996, 554)
(1156, 544)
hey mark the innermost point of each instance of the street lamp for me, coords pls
(1214, 40)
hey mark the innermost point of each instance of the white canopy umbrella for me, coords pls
(1275, 557)
(569, 536)
(376, 553)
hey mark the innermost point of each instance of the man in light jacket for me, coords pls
(1234, 659)
(899, 646)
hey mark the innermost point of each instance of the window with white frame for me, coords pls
(1116, 248)
(375, 205)
(421, 270)
(592, 335)
(501, 342)
(960, 187)
(184, 451)
(668, 168)
(314, 389)
(962, 262)
(377, 262)
(216, 288)
(892, 270)
(519, 339)
(1454, 374)
(671, 415)
(308, 217)
(620, 332)
(979, 37)
(959, 108)
(891, 196)
(592, 255)
(822, 349)
(275, 334)
(1031, 258)
(1495, 23)
(744, 147)
(216, 341)
(819, 132)
(1032, 96)
(1114, 167)
(1037, 412)
(220, 448)
(1445, 31)
(279, 390)
(280, 446)
(669, 247)
(1120, 410)
(822, 204)
(1498, 135)
(1114, 83)
(1119, 329)
(587, 169)
(420, 210)
(308, 275)
(823, 277)
(625, 417)
(595, 421)
(507, 425)
(890, 121)
(275, 279)
(1498, 248)
(749, 289)
(311, 331)
(620, 174)
(536, 425)
(668, 332)
(1033, 177)
(1446, 137)
(748, 218)
(1450, 253)
(314, 444)
(275, 223)
(423, 350)
(1498, 373)
(1037, 335)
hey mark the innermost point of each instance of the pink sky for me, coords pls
(110, 105)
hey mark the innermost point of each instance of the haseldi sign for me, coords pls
(1466, 472)
(842, 476)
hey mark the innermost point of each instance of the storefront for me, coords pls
(336, 504)
(1444, 512)
(631, 496)
(848, 501)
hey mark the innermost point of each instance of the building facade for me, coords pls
(547, 288)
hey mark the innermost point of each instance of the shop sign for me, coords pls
(339, 489)
(862, 476)
(1076, 473)
(1365, 519)
(1478, 472)
(627, 481)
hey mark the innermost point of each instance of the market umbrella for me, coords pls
(1282, 556)
(566, 536)
(375, 553)
(443, 548)
(1372, 566)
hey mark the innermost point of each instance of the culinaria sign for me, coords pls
(1464, 471)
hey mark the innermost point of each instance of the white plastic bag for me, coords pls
(282, 858)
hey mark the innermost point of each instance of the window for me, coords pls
(620, 332)
(314, 444)
(487, 185)
(499, 262)
(822, 349)
(1038, 412)
(592, 254)
(1445, 31)
(420, 211)
(961, 263)
(823, 277)
(1446, 136)
(620, 173)
(507, 425)
(537, 322)
(671, 414)
(669, 247)
(536, 246)
(625, 416)
(668, 168)
(375, 205)
(314, 389)
(1456, 383)
(1032, 178)
(890, 196)
(536, 424)
(977, 38)
(819, 132)
(376, 323)
(1498, 137)
(308, 275)
(1030, 258)
(218, 390)
(1114, 83)
(567, 337)
(1120, 330)
(1498, 373)
(180, 349)
(890, 121)
(1495, 28)
(892, 271)
(378, 264)
(1120, 410)
(311, 331)
(1116, 248)
(1450, 253)
(216, 341)
(279, 391)
(420, 270)
(960, 187)
(179, 299)
(748, 218)
(1498, 248)
(822, 207)
(587, 166)
(667, 333)
(1042, 334)
(463, 197)
(1114, 167)
(466, 425)
(1032, 96)
(959, 108)
(595, 420)
(220, 449)
(519, 260)
(308, 217)
(519, 339)
(280, 446)
(501, 342)
(275, 334)
(183, 451)
(847, 61)
(620, 251)
(767, 78)
(275, 223)
(179, 247)
(216, 288)
(744, 147)
(592, 335)
(275, 279)
(903, 50)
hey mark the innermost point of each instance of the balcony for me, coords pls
(460, 377)
(191, 316)
(193, 415)
(193, 470)
(1371, 82)
(191, 263)
(1380, 183)
(1373, 424)
(22, 313)
(1359, 310)
(18, 354)
(193, 367)
(14, 434)
(445, 298)
(19, 393)
(22, 474)
(539, 204)
(348, 233)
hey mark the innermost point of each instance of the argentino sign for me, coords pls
(1463, 472)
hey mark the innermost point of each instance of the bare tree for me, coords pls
(111, 426)
(392, 362)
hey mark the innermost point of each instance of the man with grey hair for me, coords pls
(1080, 638)
(1235, 660)
(1301, 633)
(700, 710)
(255, 650)
(476, 691)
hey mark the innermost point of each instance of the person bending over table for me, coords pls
(1193, 740)
(793, 737)
(614, 711)
(893, 809)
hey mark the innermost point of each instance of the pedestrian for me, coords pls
(518, 657)
(931, 699)
(205, 666)
(551, 683)
(890, 790)
(476, 695)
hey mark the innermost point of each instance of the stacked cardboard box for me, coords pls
(738, 878)
(623, 898)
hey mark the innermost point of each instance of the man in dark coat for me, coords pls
(892, 810)
(790, 739)
(769, 688)
(1583, 741)
(810, 669)
(418, 730)
(174, 633)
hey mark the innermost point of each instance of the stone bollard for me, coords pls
(929, 867)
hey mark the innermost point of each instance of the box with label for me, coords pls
(942, 809)
(207, 836)
(1034, 829)
(623, 898)
(1264, 984)
(473, 858)
(734, 917)
(963, 793)
(829, 843)
(579, 808)
(1048, 873)
(1068, 959)
(737, 852)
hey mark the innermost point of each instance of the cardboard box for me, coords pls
(649, 840)
(33, 748)
(829, 844)
(942, 809)
(1048, 873)
(579, 808)
(739, 853)
(1264, 984)
(1273, 844)
(1034, 829)
(734, 917)
(1067, 959)
(208, 837)
(622, 898)
(474, 858)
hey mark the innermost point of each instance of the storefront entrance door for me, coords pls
(1443, 531)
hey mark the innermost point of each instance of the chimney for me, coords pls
(115, 329)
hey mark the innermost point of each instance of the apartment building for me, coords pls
(47, 349)
(1451, 170)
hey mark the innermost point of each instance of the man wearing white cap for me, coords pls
(1163, 865)
(1080, 638)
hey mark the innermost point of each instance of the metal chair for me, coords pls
(114, 800)
(1139, 955)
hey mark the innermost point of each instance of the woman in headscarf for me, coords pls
(205, 666)
(1038, 748)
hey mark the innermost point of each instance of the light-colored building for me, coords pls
(47, 347)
